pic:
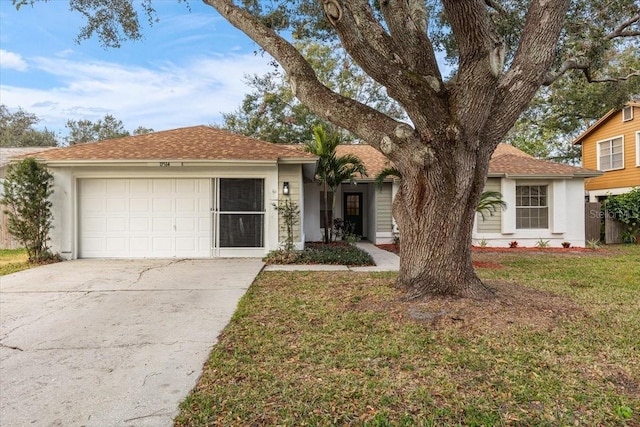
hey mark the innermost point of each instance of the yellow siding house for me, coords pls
(612, 145)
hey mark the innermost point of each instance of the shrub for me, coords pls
(27, 188)
(542, 243)
(335, 253)
(513, 244)
(626, 209)
(566, 245)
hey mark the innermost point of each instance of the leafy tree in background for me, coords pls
(83, 131)
(502, 53)
(272, 113)
(559, 113)
(17, 130)
(27, 188)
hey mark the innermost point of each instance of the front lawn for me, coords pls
(12, 260)
(558, 347)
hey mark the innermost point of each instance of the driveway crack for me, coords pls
(10, 347)
(154, 267)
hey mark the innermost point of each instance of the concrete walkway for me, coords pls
(111, 342)
(385, 261)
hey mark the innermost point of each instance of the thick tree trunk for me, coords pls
(436, 222)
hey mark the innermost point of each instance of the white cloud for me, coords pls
(161, 97)
(12, 61)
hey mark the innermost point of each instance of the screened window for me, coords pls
(610, 154)
(532, 209)
(241, 213)
(324, 208)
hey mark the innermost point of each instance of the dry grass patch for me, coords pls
(12, 260)
(559, 346)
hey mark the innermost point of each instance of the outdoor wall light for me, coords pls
(285, 188)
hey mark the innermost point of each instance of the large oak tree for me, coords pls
(503, 51)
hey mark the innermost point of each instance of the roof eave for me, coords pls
(155, 162)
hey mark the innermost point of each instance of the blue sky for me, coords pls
(186, 71)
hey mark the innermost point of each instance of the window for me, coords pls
(532, 208)
(627, 113)
(610, 154)
(241, 215)
(638, 149)
(324, 208)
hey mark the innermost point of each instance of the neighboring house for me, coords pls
(612, 145)
(7, 241)
(201, 192)
(545, 200)
(194, 192)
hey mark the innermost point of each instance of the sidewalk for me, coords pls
(385, 261)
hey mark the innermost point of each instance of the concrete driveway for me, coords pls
(111, 342)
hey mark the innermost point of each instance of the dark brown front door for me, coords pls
(353, 211)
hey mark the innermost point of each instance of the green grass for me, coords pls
(12, 260)
(324, 349)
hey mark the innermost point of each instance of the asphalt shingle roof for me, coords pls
(207, 143)
(190, 143)
(506, 160)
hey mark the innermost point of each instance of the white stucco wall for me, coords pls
(566, 216)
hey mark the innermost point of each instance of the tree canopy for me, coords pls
(83, 130)
(17, 129)
(272, 113)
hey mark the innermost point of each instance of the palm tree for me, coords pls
(490, 201)
(332, 170)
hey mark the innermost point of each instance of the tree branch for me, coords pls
(340, 110)
(407, 22)
(620, 29)
(533, 58)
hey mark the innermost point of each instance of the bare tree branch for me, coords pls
(612, 79)
(620, 30)
(570, 64)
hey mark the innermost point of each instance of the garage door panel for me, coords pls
(162, 225)
(117, 225)
(117, 205)
(144, 218)
(116, 186)
(161, 186)
(139, 225)
(162, 204)
(94, 225)
(186, 225)
(139, 205)
(139, 186)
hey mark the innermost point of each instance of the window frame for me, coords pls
(627, 108)
(638, 148)
(599, 155)
(546, 207)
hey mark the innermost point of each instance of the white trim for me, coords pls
(610, 140)
(594, 194)
(638, 148)
(630, 116)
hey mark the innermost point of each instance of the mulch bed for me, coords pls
(396, 249)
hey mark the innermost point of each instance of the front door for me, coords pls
(353, 211)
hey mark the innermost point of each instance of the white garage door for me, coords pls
(144, 218)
